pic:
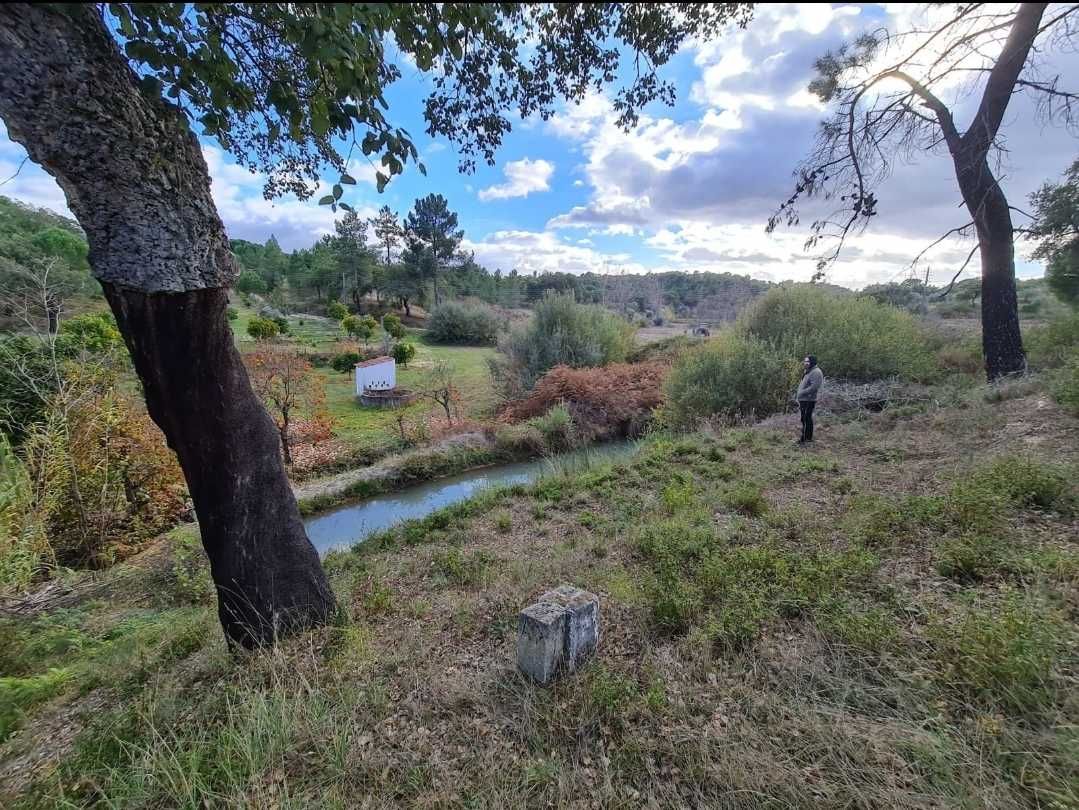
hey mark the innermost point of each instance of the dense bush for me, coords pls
(232, 313)
(262, 328)
(360, 327)
(336, 311)
(251, 282)
(731, 376)
(612, 401)
(403, 353)
(557, 428)
(32, 365)
(95, 333)
(345, 362)
(1065, 384)
(103, 481)
(561, 332)
(855, 338)
(1051, 345)
(392, 324)
(24, 548)
(454, 322)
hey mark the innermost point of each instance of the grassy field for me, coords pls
(374, 430)
(886, 619)
(374, 426)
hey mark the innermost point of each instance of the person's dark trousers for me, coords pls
(807, 420)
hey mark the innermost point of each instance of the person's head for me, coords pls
(809, 362)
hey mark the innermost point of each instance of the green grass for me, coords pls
(372, 432)
(377, 427)
(907, 639)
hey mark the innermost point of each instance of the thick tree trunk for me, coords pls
(1002, 341)
(134, 177)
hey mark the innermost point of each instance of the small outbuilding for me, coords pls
(376, 384)
(379, 374)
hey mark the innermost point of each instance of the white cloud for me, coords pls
(522, 178)
(542, 251)
(236, 192)
(238, 196)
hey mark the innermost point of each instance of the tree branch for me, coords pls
(1003, 77)
(959, 272)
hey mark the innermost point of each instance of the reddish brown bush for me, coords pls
(605, 402)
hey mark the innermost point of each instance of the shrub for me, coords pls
(612, 401)
(675, 604)
(1052, 345)
(262, 328)
(104, 481)
(282, 324)
(24, 548)
(1026, 483)
(666, 351)
(557, 428)
(1065, 384)
(345, 362)
(747, 498)
(515, 439)
(232, 313)
(732, 377)
(251, 282)
(95, 333)
(970, 558)
(463, 569)
(337, 311)
(561, 332)
(360, 327)
(1002, 654)
(392, 325)
(403, 353)
(455, 322)
(853, 337)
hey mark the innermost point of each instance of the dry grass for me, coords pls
(823, 660)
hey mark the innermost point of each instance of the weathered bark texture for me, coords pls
(135, 178)
(1002, 342)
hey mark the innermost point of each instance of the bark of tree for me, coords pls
(134, 176)
(1002, 341)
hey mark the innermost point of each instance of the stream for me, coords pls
(347, 525)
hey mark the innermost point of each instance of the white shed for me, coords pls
(379, 374)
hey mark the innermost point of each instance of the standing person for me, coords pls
(808, 389)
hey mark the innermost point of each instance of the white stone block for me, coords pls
(582, 623)
(541, 640)
(558, 633)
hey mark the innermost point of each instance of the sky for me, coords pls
(690, 188)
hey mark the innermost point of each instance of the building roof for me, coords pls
(374, 362)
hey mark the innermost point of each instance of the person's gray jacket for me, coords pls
(810, 385)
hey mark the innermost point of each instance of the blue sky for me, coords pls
(689, 189)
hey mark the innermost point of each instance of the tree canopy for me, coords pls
(283, 86)
(1056, 230)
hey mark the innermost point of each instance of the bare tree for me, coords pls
(284, 381)
(441, 389)
(887, 92)
(41, 374)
